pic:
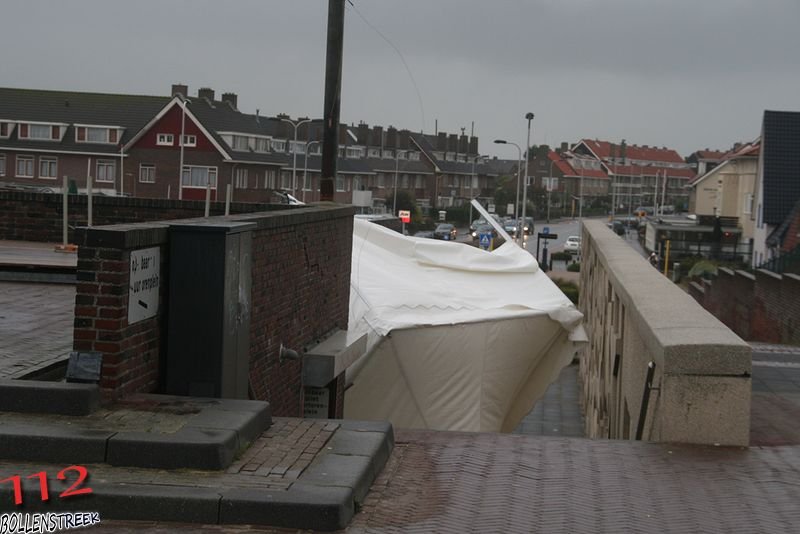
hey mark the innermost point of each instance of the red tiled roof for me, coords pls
(561, 164)
(747, 149)
(603, 149)
(636, 170)
(709, 154)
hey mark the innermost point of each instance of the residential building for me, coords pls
(186, 147)
(777, 187)
(641, 175)
(703, 161)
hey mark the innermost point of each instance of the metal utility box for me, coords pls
(208, 332)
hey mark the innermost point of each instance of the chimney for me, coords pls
(473, 145)
(391, 137)
(463, 144)
(180, 89)
(564, 146)
(441, 141)
(452, 143)
(404, 142)
(363, 133)
(377, 136)
(231, 99)
(207, 93)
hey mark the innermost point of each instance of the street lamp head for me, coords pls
(501, 141)
(529, 116)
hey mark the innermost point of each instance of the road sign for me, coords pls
(145, 268)
(546, 230)
(543, 235)
(485, 241)
(405, 216)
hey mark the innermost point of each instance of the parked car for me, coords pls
(445, 231)
(573, 244)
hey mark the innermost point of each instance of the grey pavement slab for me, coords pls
(558, 412)
(36, 324)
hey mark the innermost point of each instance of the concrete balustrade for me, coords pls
(635, 315)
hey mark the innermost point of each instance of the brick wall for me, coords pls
(38, 216)
(300, 292)
(131, 353)
(761, 307)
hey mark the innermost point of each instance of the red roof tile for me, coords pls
(603, 150)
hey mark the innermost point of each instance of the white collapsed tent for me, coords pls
(458, 338)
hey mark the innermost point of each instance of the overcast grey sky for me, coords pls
(688, 74)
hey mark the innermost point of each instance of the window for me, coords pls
(355, 152)
(356, 183)
(418, 182)
(374, 152)
(164, 139)
(339, 183)
(404, 181)
(450, 156)
(413, 156)
(307, 182)
(286, 180)
(189, 140)
(199, 176)
(297, 147)
(106, 170)
(748, 204)
(2, 165)
(241, 179)
(96, 134)
(381, 180)
(389, 154)
(5, 129)
(25, 166)
(240, 142)
(40, 131)
(48, 168)
(316, 149)
(262, 144)
(475, 182)
(147, 173)
(269, 179)
(279, 145)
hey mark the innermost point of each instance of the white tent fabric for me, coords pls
(458, 338)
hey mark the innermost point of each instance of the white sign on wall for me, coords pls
(145, 272)
(316, 402)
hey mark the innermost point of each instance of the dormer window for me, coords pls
(6, 129)
(106, 135)
(41, 131)
(165, 139)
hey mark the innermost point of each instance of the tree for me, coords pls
(405, 201)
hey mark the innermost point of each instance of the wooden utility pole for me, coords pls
(333, 90)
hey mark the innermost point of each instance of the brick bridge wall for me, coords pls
(759, 307)
(300, 292)
(39, 216)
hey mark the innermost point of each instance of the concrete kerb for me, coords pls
(325, 497)
(28, 396)
(210, 439)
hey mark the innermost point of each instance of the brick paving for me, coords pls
(558, 412)
(36, 322)
(460, 482)
(284, 451)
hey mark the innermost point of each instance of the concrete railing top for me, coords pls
(675, 328)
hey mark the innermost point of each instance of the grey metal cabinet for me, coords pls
(208, 332)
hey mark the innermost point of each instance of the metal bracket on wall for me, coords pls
(648, 387)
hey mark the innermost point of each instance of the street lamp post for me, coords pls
(396, 171)
(183, 129)
(519, 170)
(471, 183)
(295, 125)
(305, 166)
(528, 116)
